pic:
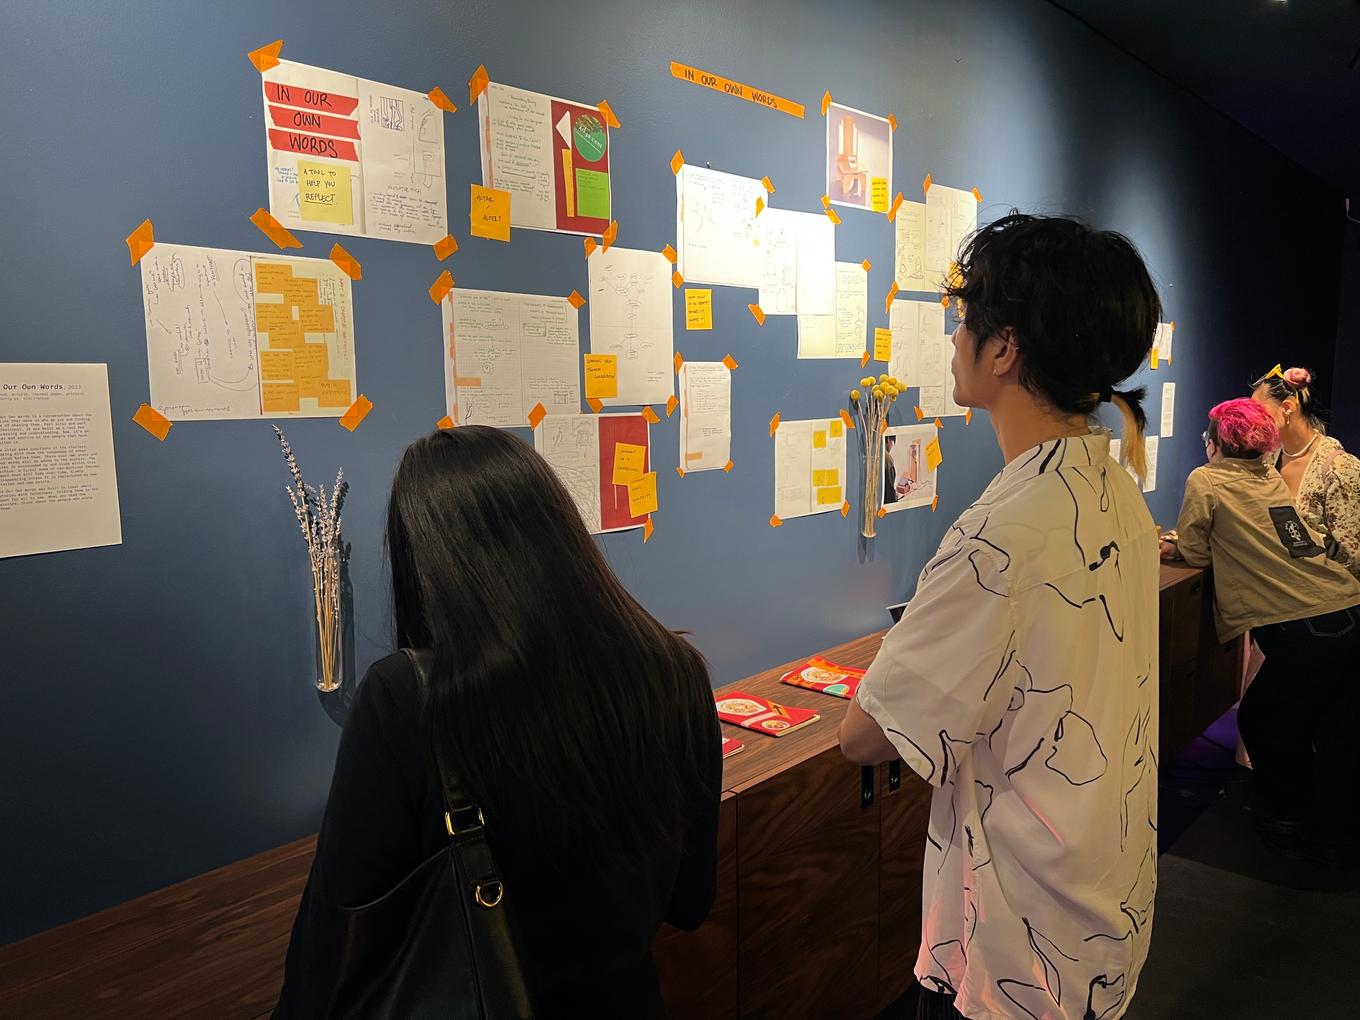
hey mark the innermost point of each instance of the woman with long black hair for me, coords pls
(583, 729)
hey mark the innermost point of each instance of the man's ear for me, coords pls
(1005, 352)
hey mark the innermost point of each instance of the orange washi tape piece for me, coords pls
(348, 264)
(977, 195)
(677, 361)
(595, 404)
(536, 414)
(575, 300)
(477, 83)
(651, 416)
(834, 216)
(769, 185)
(441, 99)
(938, 423)
(864, 359)
(670, 254)
(680, 471)
(845, 417)
(925, 185)
(153, 421)
(826, 101)
(892, 122)
(607, 112)
(445, 246)
(826, 201)
(760, 205)
(920, 415)
(731, 363)
(677, 161)
(274, 230)
(141, 241)
(758, 313)
(444, 423)
(896, 204)
(611, 232)
(892, 293)
(774, 423)
(266, 56)
(934, 504)
(357, 412)
(775, 522)
(672, 402)
(443, 283)
(677, 279)
(845, 509)
(866, 265)
(728, 467)
(647, 530)
(590, 245)
(882, 512)
(968, 416)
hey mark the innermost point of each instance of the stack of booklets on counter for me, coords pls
(752, 713)
(731, 746)
(818, 674)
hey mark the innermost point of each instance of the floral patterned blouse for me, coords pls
(1329, 501)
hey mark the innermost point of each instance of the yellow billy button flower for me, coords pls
(854, 395)
(878, 392)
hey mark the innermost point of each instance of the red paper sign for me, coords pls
(312, 145)
(311, 99)
(307, 120)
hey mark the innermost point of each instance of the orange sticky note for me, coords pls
(287, 333)
(444, 423)
(834, 216)
(896, 204)
(575, 299)
(274, 230)
(677, 280)
(271, 277)
(336, 393)
(276, 366)
(440, 99)
(642, 495)
(775, 522)
(698, 309)
(758, 313)
(477, 83)
(774, 423)
(830, 496)
(313, 318)
(677, 161)
(882, 344)
(647, 530)
(490, 213)
(266, 56)
(536, 415)
(925, 185)
(670, 254)
(153, 421)
(602, 375)
(311, 367)
(300, 290)
(671, 404)
(1152, 359)
(651, 416)
(139, 242)
(826, 101)
(630, 461)
(348, 264)
(445, 247)
(271, 316)
(866, 265)
(442, 285)
(934, 456)
(280, 398)
(590, 245)
(731, 363)
(357, 412)
(610, 235)
(607, 112)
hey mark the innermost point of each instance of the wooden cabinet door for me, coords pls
(698, 969)
(1179, 632)
(808, 885)
(905, 816)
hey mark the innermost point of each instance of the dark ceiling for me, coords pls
(1290, 72)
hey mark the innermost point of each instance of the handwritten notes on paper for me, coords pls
(716, 228)
(1150, 444)
(1168, 409)
(910, 243)
(231, 334)
(505, 353)
(918, 340)
(883, 344)
(582, 450)
(490, 213)
(951, 215)
(631, 320)
(841, 334)
(602, 376)
(809, 467)
(705, 416)
(798, 275)
(352, 156)
(698, 309)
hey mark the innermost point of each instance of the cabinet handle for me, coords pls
(867, 774)
(1195, 587)
(894, 775)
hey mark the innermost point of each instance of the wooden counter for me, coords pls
(819, 878)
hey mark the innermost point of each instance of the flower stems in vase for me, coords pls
(318, 515)
(871, 404)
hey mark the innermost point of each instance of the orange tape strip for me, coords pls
(590, 244)
(357, 412)
(670, 254)
(760, 205)
(925, 185)
(536, 415)
(826, 201)
(896, 204)
(845, 417)
(651, 416)
(444, 423)
(977, 195)
(678, 361)
(680, 471)
(892, 293)
(867, 265)
(758, 313)
(348, 264)
(826, 101)
(920, 415)
(445, 246)
(934, 504)
(677, 279)
(595, 404)
(607, 112)
(672, 402)
(153, 421)
(677, 161)
(775, 522)
(938, 423)
(774, 423)
(735, 88)
(647, 530)
(769, 185)
(266, 56)
(881, 512)
(845, 509)
(731, 363)
(274, 230)
(575, 299)
(477, 83)
(968, 416)
(443, 283)
(441, 99)
(864, 359)
(728, 467)
(610, 234)
(892, 122)
(141, 241)
(834, 216)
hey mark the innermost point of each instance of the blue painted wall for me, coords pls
(158, 718)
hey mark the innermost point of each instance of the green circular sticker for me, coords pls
(590, 136)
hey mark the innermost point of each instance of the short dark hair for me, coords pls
(1080, 302)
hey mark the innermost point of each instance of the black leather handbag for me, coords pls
(439, 945)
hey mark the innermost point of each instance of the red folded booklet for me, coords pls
(752, 713)
(818, 674)
(731, 746)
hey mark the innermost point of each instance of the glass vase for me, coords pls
(328, 646)
(873, 484)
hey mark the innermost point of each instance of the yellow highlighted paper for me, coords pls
(698, 309)
(324, 193)
(630, 461)
(490, 213)
(642, 495)
(602, 376)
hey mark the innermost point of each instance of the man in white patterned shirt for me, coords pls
(1022, 679)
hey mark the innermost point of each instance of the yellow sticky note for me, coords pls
(698, 309)
(276, 366)
(878, 194)
(830, 496)
(1154, 359)
(818, 478)
(336, 393)
(819, 439)
(279, 397)
(933, 455)
(837, 428)
(882, 344)
(642, 495)
(630, 460)
(602, 375)
(270, 276)
(490, 213)
(324, 192)
(832, 476)
(314, 318)
(270, 317)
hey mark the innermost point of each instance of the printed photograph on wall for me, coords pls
(908, 480)
(858, 159)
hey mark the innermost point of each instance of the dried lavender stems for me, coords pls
(318, 515)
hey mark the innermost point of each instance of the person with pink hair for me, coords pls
(1322, 477)
(1272, 577)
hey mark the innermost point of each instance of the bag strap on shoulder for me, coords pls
(461, 815)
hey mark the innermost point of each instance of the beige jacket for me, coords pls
(1269, 567)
